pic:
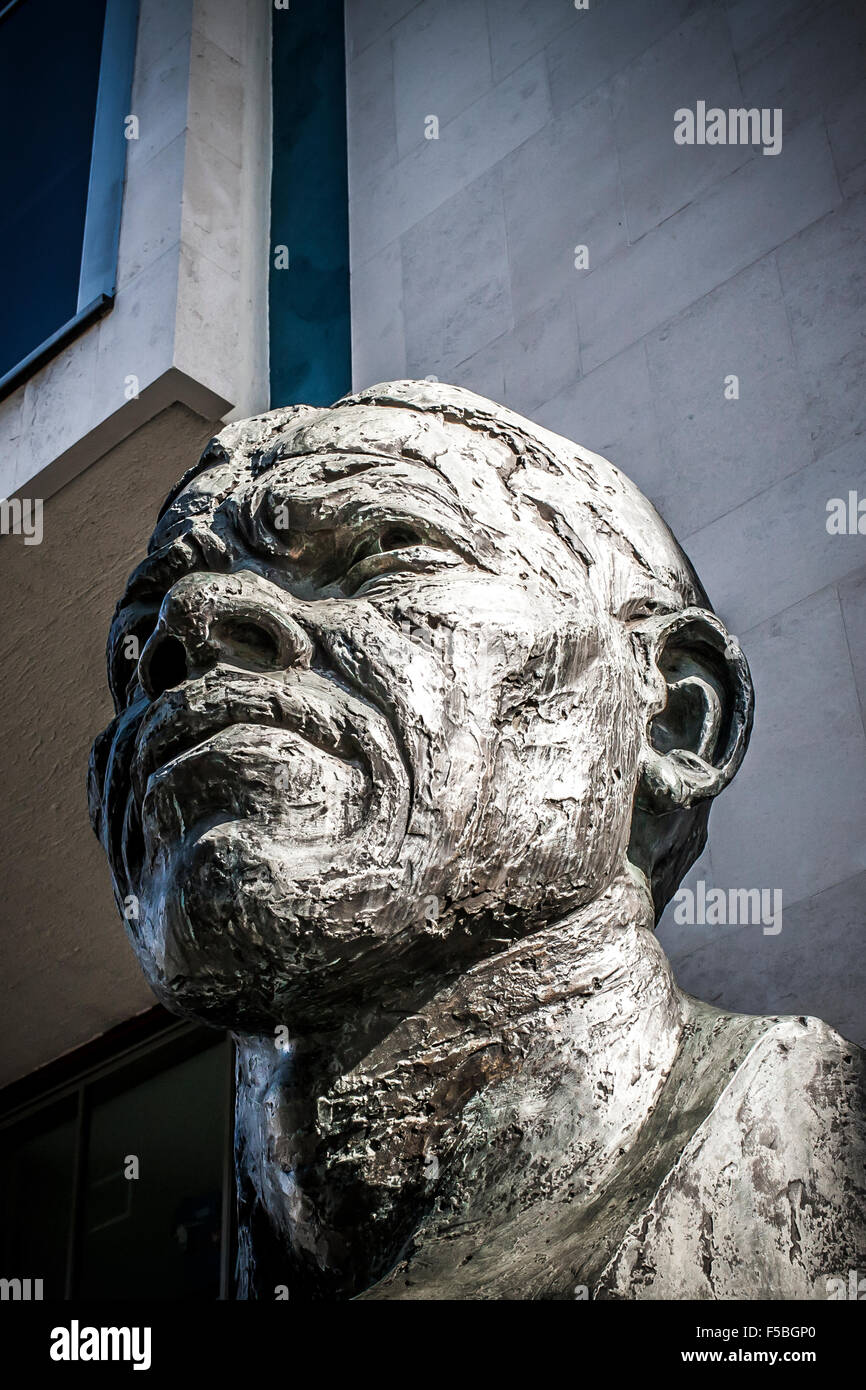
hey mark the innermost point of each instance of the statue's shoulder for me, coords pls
(767, 1199)
(807, 1084)
(804, 1058)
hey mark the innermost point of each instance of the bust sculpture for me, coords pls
(427, 715)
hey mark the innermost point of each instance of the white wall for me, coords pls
(190, 320)
(190, 315)
(556, 128)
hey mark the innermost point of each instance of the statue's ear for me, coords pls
(700, 703)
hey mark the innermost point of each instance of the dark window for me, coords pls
(118, 1182)
(36, 1192)
(65, 72)
(310, 336)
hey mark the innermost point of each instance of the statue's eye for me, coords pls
(392, 538)
(395, 548)
(398, 538)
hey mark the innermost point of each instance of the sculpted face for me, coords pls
(391, 706)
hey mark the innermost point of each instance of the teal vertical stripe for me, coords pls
(310, 342)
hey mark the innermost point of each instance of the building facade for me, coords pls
(308, 197)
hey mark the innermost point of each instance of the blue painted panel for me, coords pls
(49, 77)
(65, 79)
(310, 343)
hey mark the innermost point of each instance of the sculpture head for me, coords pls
(398, 681)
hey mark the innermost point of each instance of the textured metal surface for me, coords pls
(429, 712)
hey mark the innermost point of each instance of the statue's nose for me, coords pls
(239, 619)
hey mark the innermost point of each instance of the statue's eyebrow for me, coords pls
(414, 497)
(456, 520)
(339, 468)
(150, 581)
(349, 462)
(213, 456)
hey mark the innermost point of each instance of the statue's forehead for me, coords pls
(361, 451)
(325, 457)
(307, 454)
(304, 452)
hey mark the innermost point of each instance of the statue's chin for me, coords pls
(245, 924)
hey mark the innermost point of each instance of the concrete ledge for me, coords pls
(173, 387)
(189, 321)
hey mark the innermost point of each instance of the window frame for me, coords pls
(98, 268)
(142, 1047)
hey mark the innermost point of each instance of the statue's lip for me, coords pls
(190, 714)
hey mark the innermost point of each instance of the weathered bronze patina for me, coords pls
(428, 713)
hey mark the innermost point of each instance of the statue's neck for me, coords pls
(542, 1059)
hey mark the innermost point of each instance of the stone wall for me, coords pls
(556, 130)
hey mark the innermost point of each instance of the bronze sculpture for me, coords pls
(421, 710)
